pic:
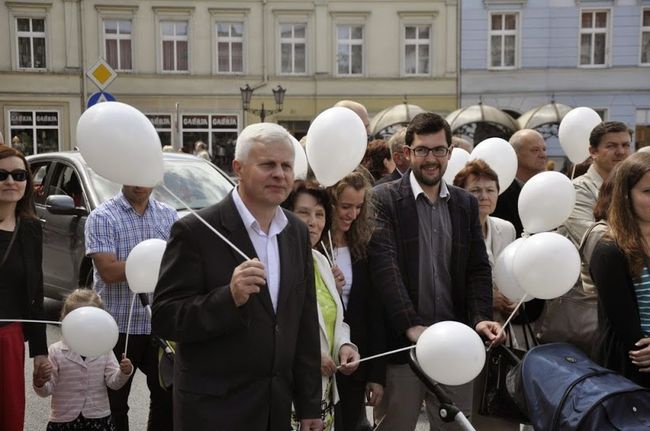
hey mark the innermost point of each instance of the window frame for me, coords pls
(174, 14)
(230, 40)
(229, 15)
(34, 127)
(403, 40)
(293, 41)
(608, 38)
(118, 38)
(643, 29)
(336, 48)
(502, 34)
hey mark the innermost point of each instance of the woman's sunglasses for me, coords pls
(17, 175)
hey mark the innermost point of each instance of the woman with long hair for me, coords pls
(619, 268)
(352, 227)
(21, 286)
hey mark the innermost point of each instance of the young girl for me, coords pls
(78, 384)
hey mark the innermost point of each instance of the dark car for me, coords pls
(67, 189)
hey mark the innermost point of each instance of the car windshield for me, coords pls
(197, 183)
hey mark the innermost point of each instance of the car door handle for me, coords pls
(43, 220)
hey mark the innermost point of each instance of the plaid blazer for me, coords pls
(393, 256)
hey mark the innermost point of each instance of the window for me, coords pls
(349, 58)
(219, 131)
(163, 125)
(230, 47)
(645, 36)
(642, 132)
(293, 42)
(593, 38)
(34, 132)
(503, 40)
(174, 46)
(30, 39)
(117, 43)
(417, 45)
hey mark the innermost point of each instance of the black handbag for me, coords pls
(495, 399)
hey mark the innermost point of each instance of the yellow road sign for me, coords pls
(101, 74)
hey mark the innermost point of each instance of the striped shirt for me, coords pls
(115, 227)
(642, 289)
(78, 386)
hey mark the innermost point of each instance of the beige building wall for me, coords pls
(74, 39)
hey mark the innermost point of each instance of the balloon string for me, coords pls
(202, 220)
(327, 255)
(503, 328)
(128, 325)
(377, 356)
(573, 173)
(329, 236)
(53, 322)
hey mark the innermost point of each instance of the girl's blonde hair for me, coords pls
(81, 298)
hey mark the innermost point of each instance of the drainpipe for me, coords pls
(82, 57)
(459, 35)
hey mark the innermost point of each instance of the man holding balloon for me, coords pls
(112, 230)
(429, 264)
(246, 329)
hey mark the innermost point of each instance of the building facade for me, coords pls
(521, 54)
(183, 63)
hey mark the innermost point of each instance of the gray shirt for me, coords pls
(435, 302)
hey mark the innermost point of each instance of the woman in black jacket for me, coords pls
(620, 270)
(21, 286)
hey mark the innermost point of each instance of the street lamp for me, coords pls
(247, 94)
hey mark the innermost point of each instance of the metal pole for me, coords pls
(262, 113)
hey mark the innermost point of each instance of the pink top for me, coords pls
(78, 386)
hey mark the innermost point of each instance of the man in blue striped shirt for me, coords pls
(112, 230)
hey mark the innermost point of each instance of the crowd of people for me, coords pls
(270, 326)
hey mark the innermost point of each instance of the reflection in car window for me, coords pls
(39, 173)
(197, 183)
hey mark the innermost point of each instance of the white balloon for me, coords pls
(504, 277)
(546, 265)
(499, 154)
(457, 161)
(574, 131)
(299, 160)
(450, 353)
(143, 265)
(89, 331)
(546, 201)
(120, 143)
(336, 143)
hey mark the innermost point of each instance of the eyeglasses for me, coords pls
(18, 175)
(422, 151)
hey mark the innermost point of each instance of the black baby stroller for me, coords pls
(559, 388)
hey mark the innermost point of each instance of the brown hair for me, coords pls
(623, 225)
(479, 169)
(359, 234)
(315, 190)
(376, 152)
(426, 123)
(604, 200)
(25, 206)
(81, 298)
(605, 127)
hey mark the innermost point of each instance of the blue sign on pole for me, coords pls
(100, 96)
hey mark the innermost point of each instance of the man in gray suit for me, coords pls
(246, 330)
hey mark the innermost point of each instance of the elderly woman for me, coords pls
(311, 204)
(620, 270)
(481, 181)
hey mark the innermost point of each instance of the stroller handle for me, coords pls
(448, 412)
